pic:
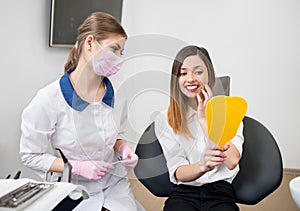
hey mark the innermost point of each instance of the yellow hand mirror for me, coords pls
(224, 115)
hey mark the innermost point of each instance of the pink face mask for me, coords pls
(106, 63)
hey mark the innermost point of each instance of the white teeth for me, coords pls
(191, 87)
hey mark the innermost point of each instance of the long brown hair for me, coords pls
(101, 26)
(178, 107)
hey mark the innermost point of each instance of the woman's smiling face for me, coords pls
(193, 76)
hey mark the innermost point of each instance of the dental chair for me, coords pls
(260, 172)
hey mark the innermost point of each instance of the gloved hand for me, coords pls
(130, 159)
(93, 170)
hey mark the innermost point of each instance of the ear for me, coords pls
(88, 42)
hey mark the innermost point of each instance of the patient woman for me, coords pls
(201, 171)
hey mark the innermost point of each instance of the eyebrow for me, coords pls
(198, 66)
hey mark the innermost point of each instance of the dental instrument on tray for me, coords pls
(24, 195)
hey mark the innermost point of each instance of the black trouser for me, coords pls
(216, 196)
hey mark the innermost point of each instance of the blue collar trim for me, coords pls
(109, 94)
(75, 101)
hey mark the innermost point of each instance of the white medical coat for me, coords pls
(59, 118)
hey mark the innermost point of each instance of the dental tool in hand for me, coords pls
(119, 161)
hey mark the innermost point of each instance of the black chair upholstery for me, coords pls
(151, 169)
(260, 167)
(222, 85)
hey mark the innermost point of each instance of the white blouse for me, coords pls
(179, 150)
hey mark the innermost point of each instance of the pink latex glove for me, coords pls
(93, 170)
(130, 159)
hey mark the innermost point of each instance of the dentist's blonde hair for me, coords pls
(99, 24)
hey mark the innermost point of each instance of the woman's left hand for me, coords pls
(214, 156)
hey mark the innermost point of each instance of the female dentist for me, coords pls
(78, 114)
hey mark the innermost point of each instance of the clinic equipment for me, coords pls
(67, 172)
(24, 195)
(294, 186)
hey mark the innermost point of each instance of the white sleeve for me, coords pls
(238, 139)
(173, 153)
(37, 126)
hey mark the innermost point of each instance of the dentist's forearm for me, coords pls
(57, 165)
